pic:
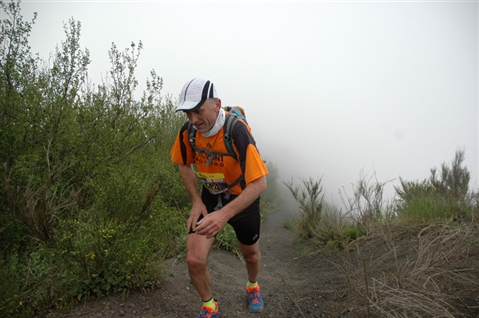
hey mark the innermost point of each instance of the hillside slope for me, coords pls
(422, 271)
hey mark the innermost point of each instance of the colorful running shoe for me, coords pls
(208, 312)
(255, 300)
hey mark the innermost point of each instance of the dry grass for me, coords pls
(431, 273)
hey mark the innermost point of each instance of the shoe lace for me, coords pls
(205, 313)
(253, 295)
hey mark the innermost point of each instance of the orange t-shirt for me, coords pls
(223, 170)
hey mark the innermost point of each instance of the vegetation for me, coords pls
(444, 197)
(89, 199)
(437, 217)
(90, 202)
(311, 206)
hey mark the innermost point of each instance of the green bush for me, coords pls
(445, 196)
(336, 231)
(433, 207)
(100, 258)
(89, 199)
(352, 232)
(115, 245)
(13, 290)
(95, 254)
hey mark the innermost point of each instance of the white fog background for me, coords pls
(332, 89)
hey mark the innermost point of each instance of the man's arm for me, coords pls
(214, 222)
(189, 180)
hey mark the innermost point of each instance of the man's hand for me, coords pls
(197, 210)
(211, 224)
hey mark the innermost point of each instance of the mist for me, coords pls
(332, 90)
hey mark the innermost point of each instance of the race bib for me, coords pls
(214, 182)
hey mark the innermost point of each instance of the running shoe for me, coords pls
(208, 312)
(255, 299)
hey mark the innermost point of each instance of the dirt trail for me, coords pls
(292, 285)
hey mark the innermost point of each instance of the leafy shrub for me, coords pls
(420, 202)
(89, 203)
(95, 254)
(452, 181)
(99, 258)
(444, 197)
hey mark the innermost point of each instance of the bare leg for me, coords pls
(252, 256)
(197, 250)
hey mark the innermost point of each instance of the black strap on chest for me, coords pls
(230, 121)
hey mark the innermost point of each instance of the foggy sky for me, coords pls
(331, 89)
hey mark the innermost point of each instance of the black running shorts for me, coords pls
(246, 224)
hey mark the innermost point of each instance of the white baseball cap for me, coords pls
(195, 93)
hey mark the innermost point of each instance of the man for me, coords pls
(230, 193)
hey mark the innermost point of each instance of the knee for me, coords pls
(195, 262)
(252, 256)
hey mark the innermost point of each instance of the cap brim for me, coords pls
(188, 105)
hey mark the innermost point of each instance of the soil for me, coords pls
(294, 283)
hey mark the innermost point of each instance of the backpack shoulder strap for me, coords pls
(192, 135)
(230, 122)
